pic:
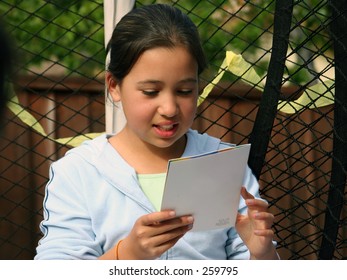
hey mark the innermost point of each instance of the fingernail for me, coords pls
(190, 219)
(172, 213)
(249, 201)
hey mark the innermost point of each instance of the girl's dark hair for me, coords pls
(149, 27)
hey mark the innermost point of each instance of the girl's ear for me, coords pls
(112, 86)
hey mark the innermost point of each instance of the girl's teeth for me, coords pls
(166, 127)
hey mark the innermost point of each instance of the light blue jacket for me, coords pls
(93, 199)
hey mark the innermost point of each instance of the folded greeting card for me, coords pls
(207, 186)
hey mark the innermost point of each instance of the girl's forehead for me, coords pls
(165, 64)
(167, 50)
(162, 57)
(179, 52)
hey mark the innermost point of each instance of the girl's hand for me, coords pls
(154, 234)
(255, 228)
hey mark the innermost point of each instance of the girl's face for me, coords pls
(159, 96)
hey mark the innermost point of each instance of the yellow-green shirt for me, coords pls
(153, 187)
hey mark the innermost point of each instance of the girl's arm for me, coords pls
(66, 227)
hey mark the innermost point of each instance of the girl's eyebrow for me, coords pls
(189, 80)
(146, 82)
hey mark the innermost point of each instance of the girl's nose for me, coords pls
(168, 106)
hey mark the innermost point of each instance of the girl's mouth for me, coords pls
(166, 130)
(166, 127)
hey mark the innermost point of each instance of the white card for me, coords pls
(207, 186)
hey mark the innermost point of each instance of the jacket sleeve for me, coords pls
(66, 227)
(235, 248)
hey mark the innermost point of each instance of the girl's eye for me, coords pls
(150, 92)
(185, 91)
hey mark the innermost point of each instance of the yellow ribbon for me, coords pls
(318, 95)
(27, 118)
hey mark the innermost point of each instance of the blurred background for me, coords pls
(57, 92)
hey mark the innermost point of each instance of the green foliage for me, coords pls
(70, 33)
(67, 33)
(230, 25)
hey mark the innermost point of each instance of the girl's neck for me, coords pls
(146, 158)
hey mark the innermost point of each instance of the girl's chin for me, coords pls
(177, 142)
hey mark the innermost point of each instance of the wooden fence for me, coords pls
(75, 106)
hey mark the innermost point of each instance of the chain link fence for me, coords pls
(275, 84)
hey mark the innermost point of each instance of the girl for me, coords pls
(103, 198)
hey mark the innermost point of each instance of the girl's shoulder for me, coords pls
(84, 153)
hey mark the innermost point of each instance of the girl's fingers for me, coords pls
(245, 194)
(266, 216)
(169, 238)
(155, 233)
(256, 204)
(179, 224)
(264, 220)
(157, 247)
(258, 211)
(156, 217)
(159, 234)
(161, 222)
(264, 232)
(253, 203)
